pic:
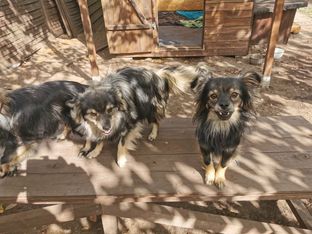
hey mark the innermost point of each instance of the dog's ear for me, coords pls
(123, 104)
(251, 79)
(74, 105)
(198, 83)
(203, 75)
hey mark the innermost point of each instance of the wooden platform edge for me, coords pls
(301, 213)
(155, 213)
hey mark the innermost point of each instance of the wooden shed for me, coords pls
(133, 29)
(229, 26)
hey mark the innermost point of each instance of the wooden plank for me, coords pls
(47, 17)
(25, 221)
(269, 58)
(110, 224)
(64, 19)
(87, 28)
(211, 223)
(166, 215)
(228, 6)
(127, 27)
(120, 12)
(170, 168)
(138, 11)
(301, 212)
(263, 6)
(175, 5)
(130, 41)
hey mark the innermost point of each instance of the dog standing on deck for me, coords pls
(223, 108)
(31, 114)
(116, 107)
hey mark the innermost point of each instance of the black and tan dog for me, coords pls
(116, 107)
(31, 114)
(224, 107)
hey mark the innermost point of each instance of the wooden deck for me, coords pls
(275, 163)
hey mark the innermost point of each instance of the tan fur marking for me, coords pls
(210, 174)
(64, 134)
(123, 150)
(97, 150)
(22, 152)
(154, 133)
(220, 176)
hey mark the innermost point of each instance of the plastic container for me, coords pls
(278, 53)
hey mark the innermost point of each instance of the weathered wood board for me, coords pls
(275, 163)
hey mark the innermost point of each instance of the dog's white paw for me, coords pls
(122, 161)
(152, 136)
(210, 174)
(220, 177)
(220, 182)
(209, 178)
(61, 137)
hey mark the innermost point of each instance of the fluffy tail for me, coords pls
(180, 77)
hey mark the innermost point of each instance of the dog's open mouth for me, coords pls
(107, 132)
(224, 115)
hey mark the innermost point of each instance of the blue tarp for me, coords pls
(192, 15)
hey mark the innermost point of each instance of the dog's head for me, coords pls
(224, 99)
(100, 107)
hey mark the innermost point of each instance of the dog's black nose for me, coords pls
(224, 105)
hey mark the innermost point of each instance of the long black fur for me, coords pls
(35, 113)
(136, 95)
(217, 137)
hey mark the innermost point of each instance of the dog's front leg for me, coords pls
(64, 134)
(222, 166)
(91, 149)
(9, 163)
(128, 142)
(122, 152)
(208, 166)
(154, 133)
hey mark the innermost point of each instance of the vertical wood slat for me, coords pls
(301, 213)
(63, 17)
(87, 27)
(110, 224)
(55, 29)
(269, 58)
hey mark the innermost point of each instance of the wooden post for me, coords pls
(269, 58)
(87, 28)
(110, 224)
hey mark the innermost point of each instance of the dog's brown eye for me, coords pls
(213, 96)
(109, 110)
(234, 95)
(93, 114)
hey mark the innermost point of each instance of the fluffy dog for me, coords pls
(31, 114)
(223, 108)
(116, 107)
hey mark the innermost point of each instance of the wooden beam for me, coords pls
(269, 58)
(166, 215)
(301, 212)
(87, 28)
(175, 5)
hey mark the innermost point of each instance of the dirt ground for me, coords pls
(290, 93)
